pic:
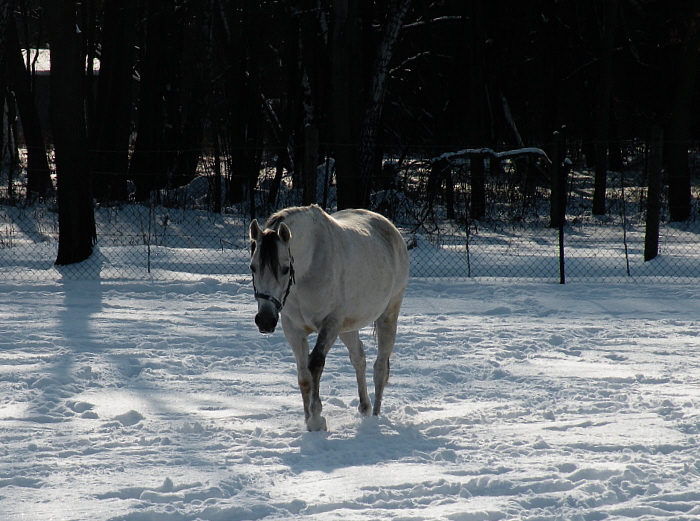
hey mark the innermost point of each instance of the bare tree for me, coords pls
(603, 109)
(345, 52)
(18, 81)
(112, 123)
(681, 118)
(356, 111)
(76, 219)
(148, 163)
(244, 93)
(171, 96)
(377, 91)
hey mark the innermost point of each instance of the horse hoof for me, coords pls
(316, 424)
(363, 409)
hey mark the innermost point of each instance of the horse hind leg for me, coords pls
(381, 378)
(386, 336)
(357, 356)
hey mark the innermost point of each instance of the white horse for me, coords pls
(331, 275)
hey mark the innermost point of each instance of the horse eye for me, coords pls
(285, 270)
(252, 268)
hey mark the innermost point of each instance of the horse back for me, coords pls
(371, 244)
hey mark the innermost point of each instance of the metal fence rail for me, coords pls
(177, 236)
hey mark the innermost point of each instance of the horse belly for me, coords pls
(366, 298)
(355, 298)
(375, 271)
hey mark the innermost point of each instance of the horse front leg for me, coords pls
(299, 343)
(317, 360)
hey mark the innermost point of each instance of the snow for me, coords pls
(140, 401)
(41, 60)
(506, 154)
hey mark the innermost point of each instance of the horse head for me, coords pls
(273, 272)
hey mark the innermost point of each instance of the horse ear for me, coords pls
(255, 231)
(284, 233)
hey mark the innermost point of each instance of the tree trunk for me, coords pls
(377, 91)
(195, 54)
(38, 171)
(5, 17)
(216, 191)
(476, 130)
(148, 168)
(679, 125)
(253, 112)
(112, 128)
(603, 108)
(8, 137)
(88, 25)
(309, 103)
(310, 164)
(76, 219)
(110, 140)
(5, 10)
(345, 103)
(243, 86)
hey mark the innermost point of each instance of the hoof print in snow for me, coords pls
(129, 418)
(79, 407)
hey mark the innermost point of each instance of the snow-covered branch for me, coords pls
(506, 154)
(423, 23)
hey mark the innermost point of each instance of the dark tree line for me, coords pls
(348, 79)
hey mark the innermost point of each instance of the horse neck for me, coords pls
(307, 229)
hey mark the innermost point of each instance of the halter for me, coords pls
(265, 296)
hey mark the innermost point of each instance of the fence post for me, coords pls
(557, 209)
(478, 186)
(557, 204)
(562, 261)
(651, 236)
(216, 195)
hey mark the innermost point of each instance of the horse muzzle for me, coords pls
(266, 321)
(269, 309)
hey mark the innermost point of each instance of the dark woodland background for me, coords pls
(304, 80)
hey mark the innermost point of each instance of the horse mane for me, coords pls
(289, 214)
(268, 245)
(268, 251)
(294, 215)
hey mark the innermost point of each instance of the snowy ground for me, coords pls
(161, 401)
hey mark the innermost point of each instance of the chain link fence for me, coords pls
(177, 235)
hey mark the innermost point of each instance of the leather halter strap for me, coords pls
(265, 296)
